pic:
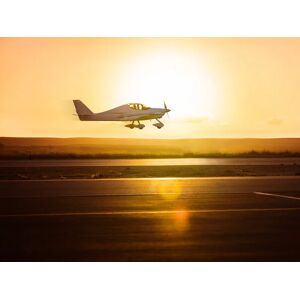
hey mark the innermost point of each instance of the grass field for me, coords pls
(64, 148)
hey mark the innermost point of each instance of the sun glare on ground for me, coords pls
(179, 79)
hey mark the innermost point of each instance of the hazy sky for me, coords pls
(215, 87)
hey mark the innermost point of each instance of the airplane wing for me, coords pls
(137, 117)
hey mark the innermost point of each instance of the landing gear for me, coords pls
(140, 126)
(132, 125)
(158, 125)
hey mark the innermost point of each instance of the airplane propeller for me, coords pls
(165, 105)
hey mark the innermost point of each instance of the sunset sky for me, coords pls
(215, 87)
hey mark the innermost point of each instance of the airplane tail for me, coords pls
(82, 110)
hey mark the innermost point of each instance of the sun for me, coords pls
(177, 78)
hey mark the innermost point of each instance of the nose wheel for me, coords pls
(158, 125)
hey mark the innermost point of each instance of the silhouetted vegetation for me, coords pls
(57, 155)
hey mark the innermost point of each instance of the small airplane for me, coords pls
(134, 112)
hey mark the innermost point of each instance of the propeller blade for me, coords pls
(165, 105)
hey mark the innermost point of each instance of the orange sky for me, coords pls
(215, 87)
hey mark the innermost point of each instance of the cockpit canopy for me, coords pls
(138, 106)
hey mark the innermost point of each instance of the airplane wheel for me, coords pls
(158, 125)
(129, 126)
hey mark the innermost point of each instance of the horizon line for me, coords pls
(122, 138)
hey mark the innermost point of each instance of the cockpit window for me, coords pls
(138, 106)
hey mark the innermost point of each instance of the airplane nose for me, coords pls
(167, 110)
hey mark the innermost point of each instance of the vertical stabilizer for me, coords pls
(81, 109)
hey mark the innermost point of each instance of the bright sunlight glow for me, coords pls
(179, 79)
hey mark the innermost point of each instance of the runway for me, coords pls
(173, 219)
(252, 161)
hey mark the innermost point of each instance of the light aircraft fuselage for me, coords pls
(127, 112)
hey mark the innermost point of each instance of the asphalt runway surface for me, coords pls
(190, 219)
